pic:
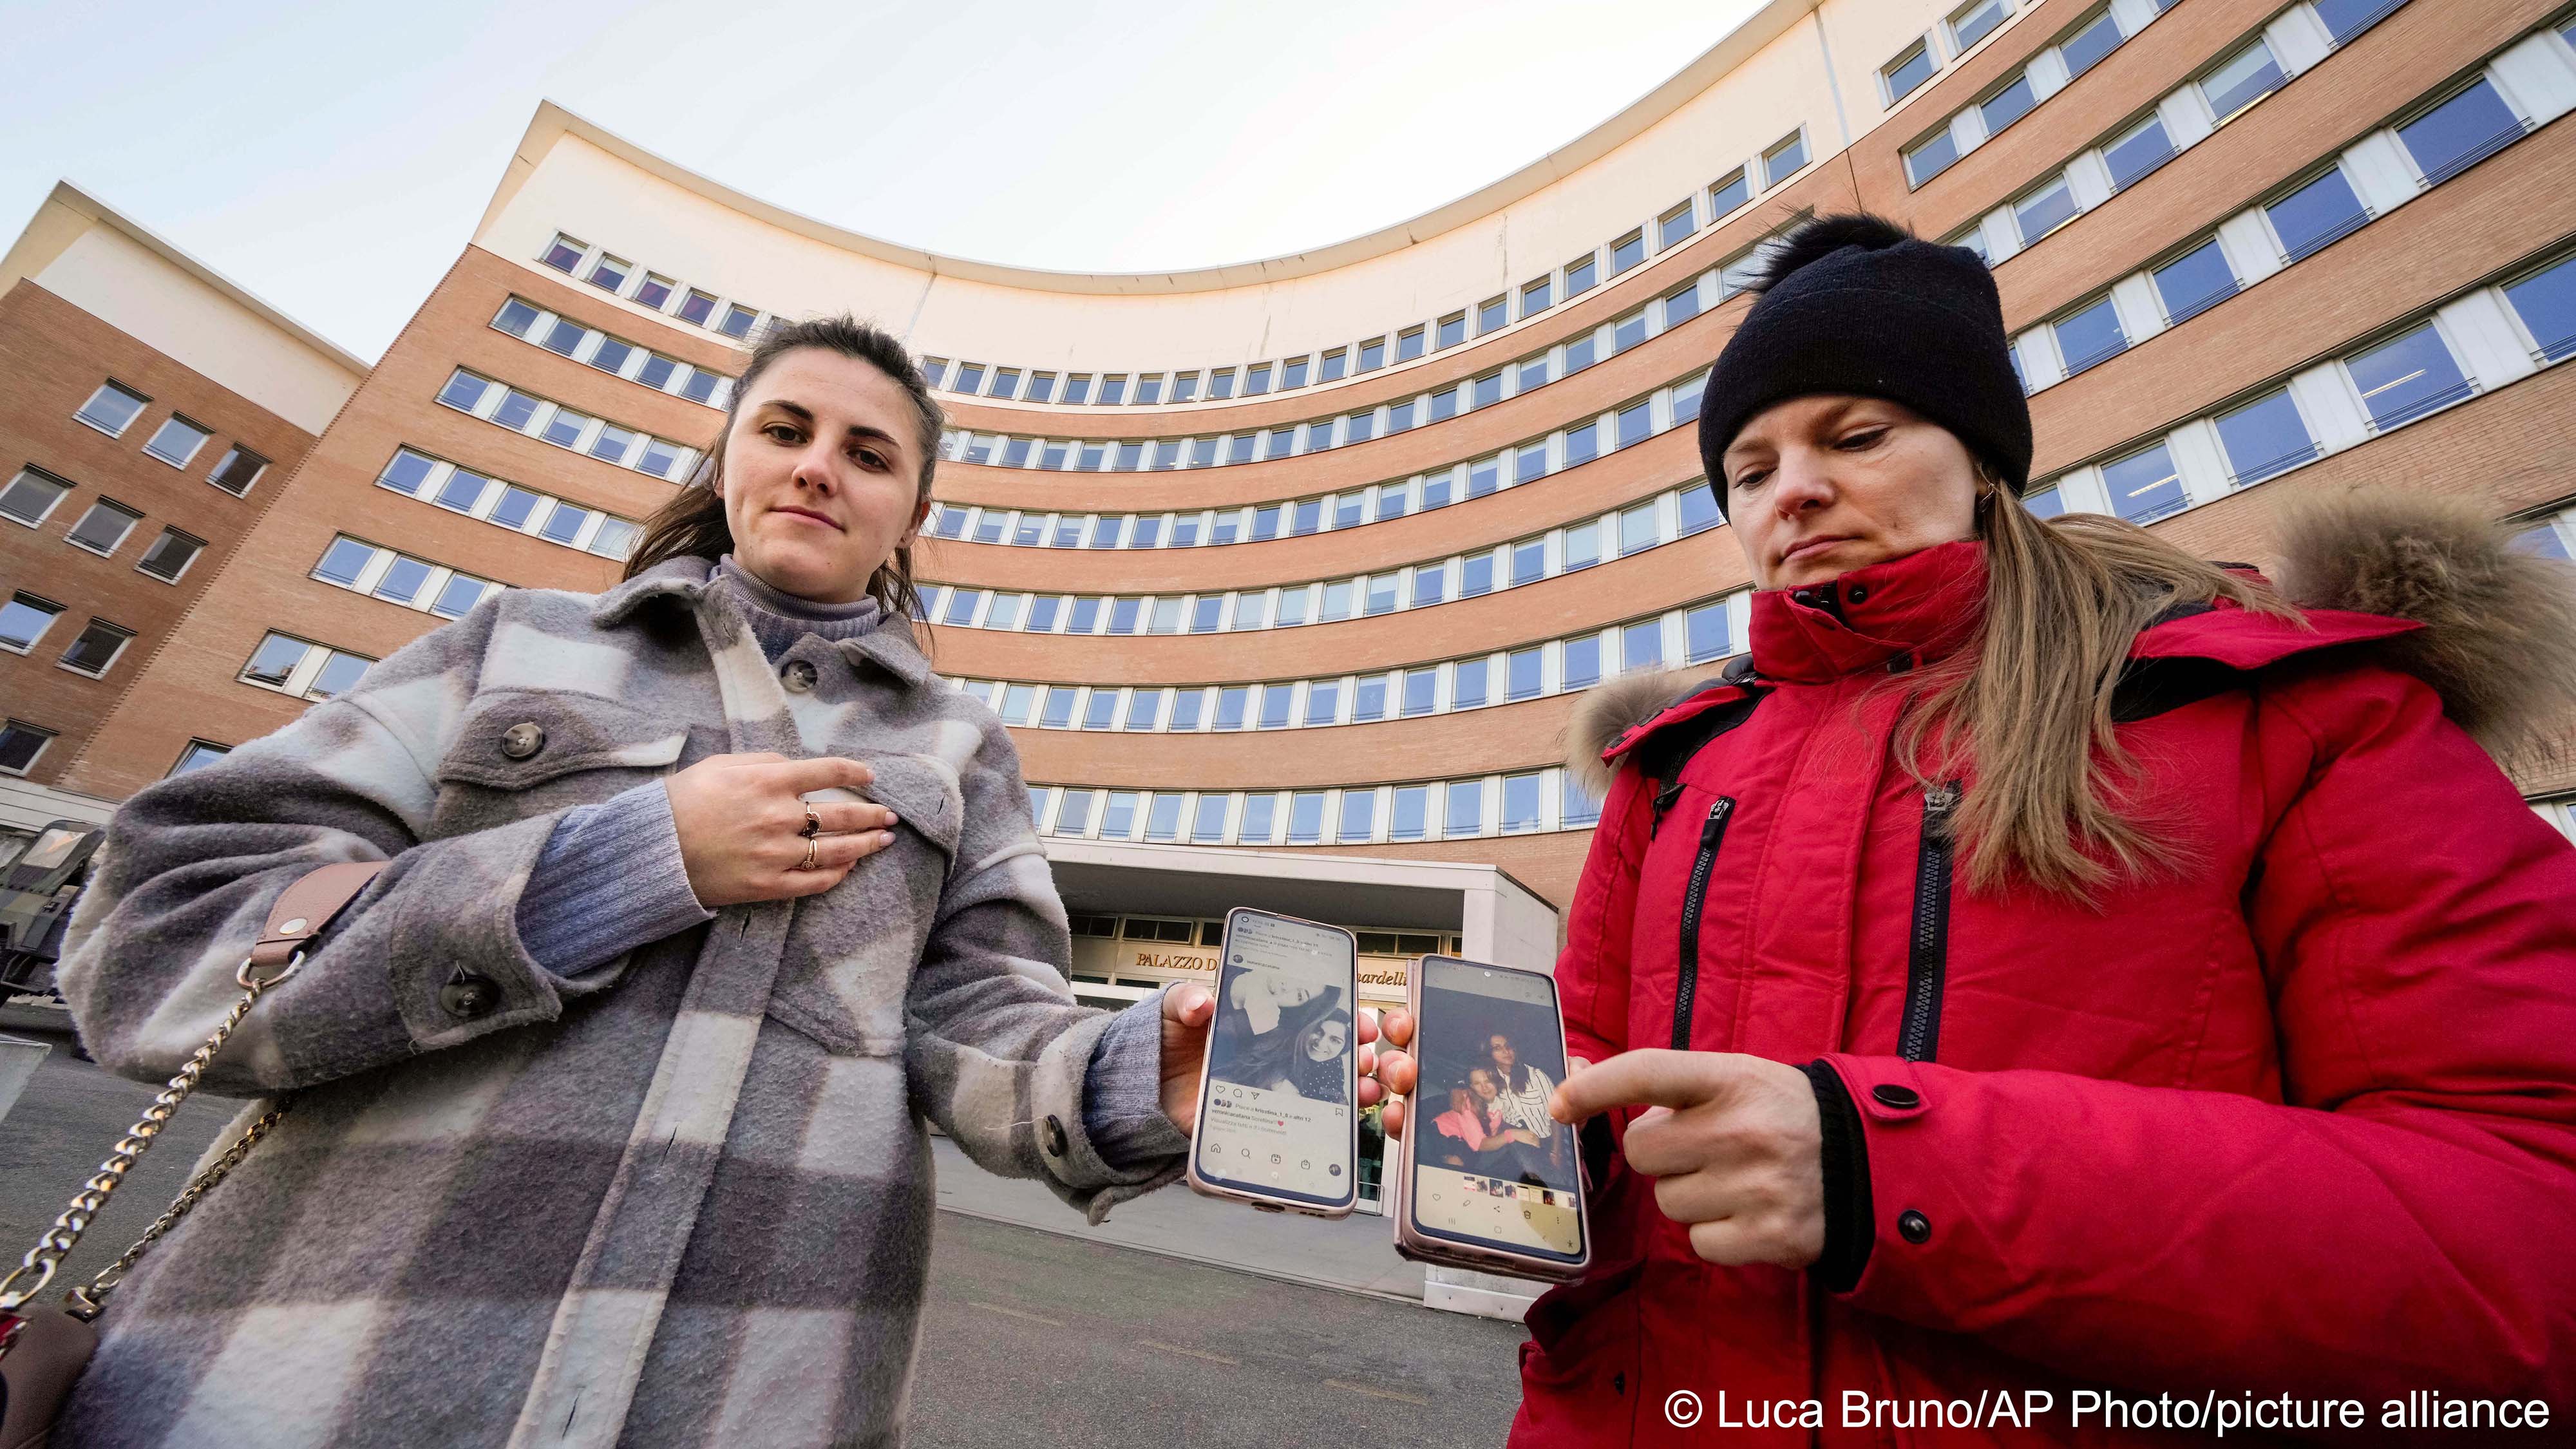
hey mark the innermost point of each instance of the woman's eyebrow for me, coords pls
(864, 431)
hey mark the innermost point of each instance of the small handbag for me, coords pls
(42, 1351)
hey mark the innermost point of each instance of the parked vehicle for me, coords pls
(37, 891)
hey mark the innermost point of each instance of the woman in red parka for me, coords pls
(2048, 965)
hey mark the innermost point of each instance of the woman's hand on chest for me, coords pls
(747, 834)
(1734, 1143)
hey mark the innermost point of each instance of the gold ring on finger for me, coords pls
(811, 844)
(813, 821)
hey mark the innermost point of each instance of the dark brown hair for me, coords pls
(693, 524)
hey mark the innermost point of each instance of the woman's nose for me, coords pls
(814, 471)
(1802, 483)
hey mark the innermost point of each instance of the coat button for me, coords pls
(523, 739)
(1913, 1226)
(1054, 1136)
(1804, 596)
(1858, 593)
(1895, 1094)
(468, 996)
(799, 675)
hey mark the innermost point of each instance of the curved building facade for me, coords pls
(1287, 575)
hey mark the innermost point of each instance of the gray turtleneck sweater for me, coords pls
(611, 879)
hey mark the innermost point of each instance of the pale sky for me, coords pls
(334, 158)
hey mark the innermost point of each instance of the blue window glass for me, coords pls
(1575, 805)
(340, 674)
(460, 594)
(1085, 617)
(1521, 674)
(565, 523)
(1729, 192)
(2194, 282)
(2144, 485)
(563, 337)
(1106, 532)
(612, 355)
(1163, 817)
(2347, 18)
(1627, 332)
(1411, 815)
(1484, 478)
(1149, 532)
(406, 472)
(2136, 154)
(2460, 132)
(514, 508)
(1368, 699)
(1430, 586)
(1531, 465)
(1641, 646)
(2543, 540)
(402, 582)
(2404, 379)
(461, 490)
(1582, 663)
(1581, 353)
(1231, 705)
(1042, 612)
(1783, 160)
(1276, 700)
(2044, 503)
(1381, 595)
(2546, 302)
(1529, 562)
(2090, 336)
(2317, 214)
(1323, 702)
(1935, 154)
(1421, 688)
(1074, 816)
(1123, 615)
(1207, 614)
(1687, 397)
(1308, 516)
(1186, 706)
(1207, 822)
(1973, 24)
(2008, 105)
(2085, 48)
(1699, 509)
(1359, 814)
(1909, 70)
(1059, 707)
(2244, 78)
(1306, 817)
(463, 391)
(1393, 499)
(516, 317)
(1520, 802)
(1476, 575)
(1582, 444)
(1680, 307)
(344, 560)
(564, 428)
(2044, 210)
(1705, 633)
(1118, 822)
(658, 372)
(1260, 823)
(1102, 711)
(962, 604)
(1463, 808)
(2265, 437)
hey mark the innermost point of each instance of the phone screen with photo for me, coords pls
(1490, 1167)
(1282, 1062)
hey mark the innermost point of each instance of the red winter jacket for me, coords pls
(2301, 1121)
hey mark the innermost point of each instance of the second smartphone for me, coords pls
(1489, 1181)
(1278, 1126)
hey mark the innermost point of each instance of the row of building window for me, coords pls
(2077, 49)
(536, 417)
(1676, 224)
(1913, 66)
(2288, 47)
(399, 578)
(26, 618)
(1646, 524)
(507, 505)
(1521, 803)
(1625, 427)
(1698, 634)
(178, 441)
(651, 290)
(2484, 340)
(1316, 435)
(32, 496)
(2367, 180)
(613, 355)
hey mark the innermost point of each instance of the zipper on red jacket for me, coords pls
(1712, 831)
(1927, 951)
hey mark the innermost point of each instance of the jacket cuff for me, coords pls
(1849, 1226)
(1074, 1168)
(610, 879)
(454, 957)
(1122, 1102)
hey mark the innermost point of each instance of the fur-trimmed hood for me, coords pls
(2498, 641)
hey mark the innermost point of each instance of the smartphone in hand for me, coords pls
(1278, 1126)
(1489, 1181)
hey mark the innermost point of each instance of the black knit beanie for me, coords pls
(1853, 304)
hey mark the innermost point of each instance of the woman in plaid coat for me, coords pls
(610, 1092)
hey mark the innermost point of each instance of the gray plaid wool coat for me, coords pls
(684, 1199)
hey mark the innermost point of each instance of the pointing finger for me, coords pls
(1652, 1076)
